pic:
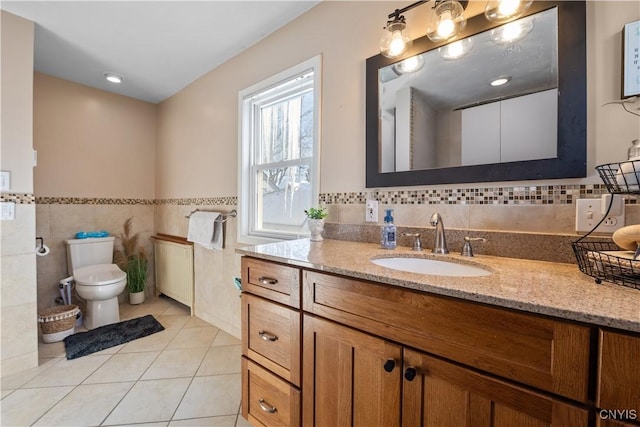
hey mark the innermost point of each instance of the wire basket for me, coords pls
(605, 261)
(58, 322)
(622, 177)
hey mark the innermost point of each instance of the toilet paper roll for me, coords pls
(42, 250)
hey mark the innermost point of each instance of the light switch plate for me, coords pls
(8, 211)
(589, 213)
(5, 180)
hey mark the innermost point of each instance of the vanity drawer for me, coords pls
(277, 282)
(271, 336)
(541, 352)
(266, 399)
(619, 374)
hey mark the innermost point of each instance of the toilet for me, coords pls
(98, 280)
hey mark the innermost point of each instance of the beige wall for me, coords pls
(92, 143)
(18, 349)
(204, 116)
(96, 168)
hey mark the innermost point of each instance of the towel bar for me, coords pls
(225, 216)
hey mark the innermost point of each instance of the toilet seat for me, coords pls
(99, 275)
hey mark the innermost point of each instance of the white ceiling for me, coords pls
(158, 46)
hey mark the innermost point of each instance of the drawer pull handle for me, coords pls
(267, 337)
(389, 365)
(267, 281)
(410, 373)
(266, 407)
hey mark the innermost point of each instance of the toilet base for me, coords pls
(100, 313)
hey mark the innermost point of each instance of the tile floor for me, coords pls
(186, 375)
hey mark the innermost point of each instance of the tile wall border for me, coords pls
(18, 198)
(517, 195)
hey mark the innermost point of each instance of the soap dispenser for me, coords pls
(388, 231)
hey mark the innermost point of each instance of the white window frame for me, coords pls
(246, 150)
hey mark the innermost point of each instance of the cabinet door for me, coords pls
(618, 394)
(445, 395)
(350, 378)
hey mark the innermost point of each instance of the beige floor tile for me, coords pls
(123, 367)
(23, 407)
(211, 396)
(149, 402)
(196, 322)
(177, 308)
(221, 360)
(241, 422)
(68, 372)
(158, 424)
(19, 379)
(224, 338)
(173, 321)
(155, 342)
(176, 364)
(86, 405)
(5, 392)
(194, 337)
(224, 421)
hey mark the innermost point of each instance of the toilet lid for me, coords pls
(98, 275)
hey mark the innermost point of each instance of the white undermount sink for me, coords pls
(431, 266)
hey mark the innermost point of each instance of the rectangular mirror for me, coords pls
(433, 116)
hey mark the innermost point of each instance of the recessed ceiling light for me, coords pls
(501, 81)
(113, 77)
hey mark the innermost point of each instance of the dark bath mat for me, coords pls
(83, 343)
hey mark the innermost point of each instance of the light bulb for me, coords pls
(505, 10)
(446, 25)
(457, 49)
(447, 20)
(512, 32)
(394, 42)
(397, 45)
(508, 7)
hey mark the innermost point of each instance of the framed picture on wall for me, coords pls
(631, 59)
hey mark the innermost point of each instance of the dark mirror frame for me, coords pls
(572, 112)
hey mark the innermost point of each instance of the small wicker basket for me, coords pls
(58, 322)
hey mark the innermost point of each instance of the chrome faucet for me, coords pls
(441, 242)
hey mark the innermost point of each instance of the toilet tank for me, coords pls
(92, 251)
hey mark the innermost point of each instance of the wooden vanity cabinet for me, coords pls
(271, 334)
(618, 389)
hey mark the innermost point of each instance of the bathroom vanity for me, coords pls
(329, 339)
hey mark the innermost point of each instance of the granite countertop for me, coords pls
(548, 288)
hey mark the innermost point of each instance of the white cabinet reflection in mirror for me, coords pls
(528, 123)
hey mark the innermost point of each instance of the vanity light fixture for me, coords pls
(505, 10)
(113, 77)
(500, 81)
(447, 21)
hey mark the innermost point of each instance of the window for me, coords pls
(279, 146)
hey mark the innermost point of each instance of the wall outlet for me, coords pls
(590, 211)
(371, 214)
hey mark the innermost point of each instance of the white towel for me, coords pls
(205, 230)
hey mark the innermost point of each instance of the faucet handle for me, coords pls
(467, 250)
(417, 244)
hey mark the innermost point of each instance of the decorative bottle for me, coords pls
(388, 232)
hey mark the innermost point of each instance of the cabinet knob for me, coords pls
(266, 407)
(389, 365)
(410, 373)
(267, 336)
